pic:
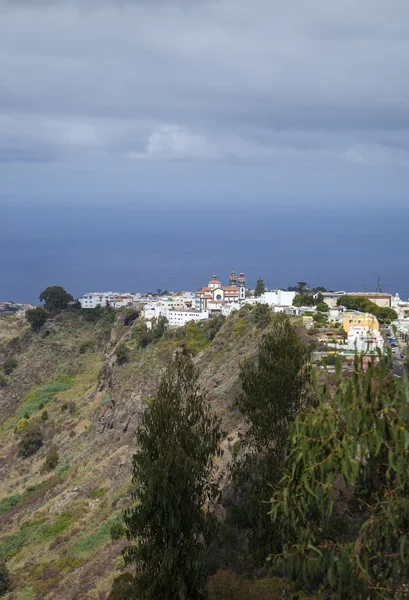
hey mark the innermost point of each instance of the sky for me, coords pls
(204, 100)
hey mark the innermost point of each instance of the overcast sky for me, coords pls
(306, 98)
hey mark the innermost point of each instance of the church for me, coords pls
(214, 296)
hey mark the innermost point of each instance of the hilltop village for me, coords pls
(344, 322)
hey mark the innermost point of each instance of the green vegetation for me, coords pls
(275, 386)
(178, 439)
(260, 288)
(3, 381)
(304, 300)
(117, 531)
(4, 579)
(322, 307)
(97, 493)
(344, 497)
(123, 354)
(55, 299)
(9, 502)
(91, 542)
(41, 395)
(31, 441)
(227, 585)
(36, 317)
(88, 345)
(365, 305)
(9, 365)
(51, 460)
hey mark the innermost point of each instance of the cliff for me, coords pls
(55, 523)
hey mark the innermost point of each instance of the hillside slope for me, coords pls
(55, 523)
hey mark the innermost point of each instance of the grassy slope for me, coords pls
(55, 527)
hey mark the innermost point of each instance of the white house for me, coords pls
(363, 339)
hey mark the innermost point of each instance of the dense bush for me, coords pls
(37, 317)
(22, 425)
(4, 579)
(87, 345)
(51, 460)
(123, 354)
(44, 416)
(9, 365)
(322, 307)
(117, 530)
(31, 441)
(3, 381)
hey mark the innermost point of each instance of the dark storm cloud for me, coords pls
(212, 80)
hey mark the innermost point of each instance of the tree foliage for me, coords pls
(178, 439)
(322, 307)
(36, 317)
(274, 387)
(363, 304)
(304, 300)
(31, 441)
(55, 298)
(345, 491)
(260, 288)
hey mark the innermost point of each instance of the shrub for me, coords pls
(9, 365)
(32, 440)
(122, 587)
(225, 585)
(123, 354)
(51, 460)
(322, 307)
(8, 502)
(117, 530)
(22, 425)
(4, 579)
(36, 317)
(261, 315)
(87, 345)
(44, 416)
(3, 381)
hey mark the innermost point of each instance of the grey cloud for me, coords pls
(210, 80)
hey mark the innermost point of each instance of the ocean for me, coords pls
(142, 246)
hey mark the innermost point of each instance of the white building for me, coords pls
(228, 308)
(363, 339)
(178, 318)
(277, 298)
(94, 299)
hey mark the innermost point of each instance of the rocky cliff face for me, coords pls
(55, 523)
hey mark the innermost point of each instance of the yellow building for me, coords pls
(359, 320)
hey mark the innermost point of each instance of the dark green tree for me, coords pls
(178, 438)
(55, 298)
(301, 287)
(4, 579)
(322, 307)
(275, 386)
(31, 441)
(260, 288)
(345, 491)
(37, 317)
